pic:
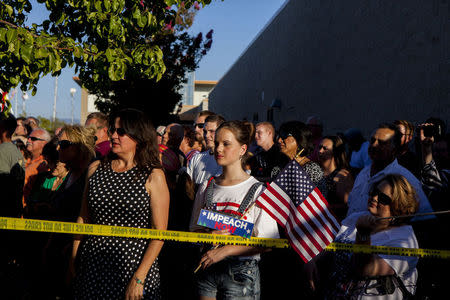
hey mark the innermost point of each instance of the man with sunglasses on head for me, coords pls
(383, 148)
(199, 125)
(37, 164)
(203, 165)
(102, 142)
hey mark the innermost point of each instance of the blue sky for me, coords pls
(235, 23)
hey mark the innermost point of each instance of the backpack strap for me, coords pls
(248, 199)
(209, 192)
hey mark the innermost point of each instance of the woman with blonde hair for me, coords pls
(368, 276)
(76, 147)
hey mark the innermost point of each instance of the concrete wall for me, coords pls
(355, 63)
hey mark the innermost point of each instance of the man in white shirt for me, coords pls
(203, 165)
(382, 150)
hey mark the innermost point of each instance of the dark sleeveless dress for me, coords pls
(105, 265)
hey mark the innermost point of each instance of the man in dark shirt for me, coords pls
(268, 163)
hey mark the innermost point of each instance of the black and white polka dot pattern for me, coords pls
(107, 264)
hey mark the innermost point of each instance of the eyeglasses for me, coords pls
(120, 131)
(382, 197)
(34, 139)
(199, 125)
(64, 144)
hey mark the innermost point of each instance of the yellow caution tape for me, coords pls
(193, 237)
(357, 248)
(143, 233)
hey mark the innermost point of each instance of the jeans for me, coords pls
(231, 279)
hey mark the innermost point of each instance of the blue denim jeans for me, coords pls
(231, 279)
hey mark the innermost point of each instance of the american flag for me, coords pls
(299, 207)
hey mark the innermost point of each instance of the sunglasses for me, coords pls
(284, 135)
(120, 131)
(199, 125)
(34, 139)
(64, 144)
(382, 197)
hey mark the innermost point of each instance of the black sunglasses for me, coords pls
(382, 197)
(120, 131)
(284, 135)
(199, 125)
(64, 144)
(34, 139)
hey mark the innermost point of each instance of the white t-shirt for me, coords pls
(401, 236)
(202, 167)
(227, 199)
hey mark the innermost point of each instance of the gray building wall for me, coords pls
(354, 63)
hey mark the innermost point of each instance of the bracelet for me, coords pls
(138, 281)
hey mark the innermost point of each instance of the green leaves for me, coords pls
(109, 41)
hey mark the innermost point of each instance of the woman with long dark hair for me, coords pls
(334, 163)
(127, 189)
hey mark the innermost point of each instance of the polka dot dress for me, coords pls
(107, 264)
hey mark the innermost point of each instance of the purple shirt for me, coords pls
(102, 149)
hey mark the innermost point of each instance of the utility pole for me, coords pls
(54, 102)
(72, 92)
(24, 97)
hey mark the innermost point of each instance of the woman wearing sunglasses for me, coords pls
(368, 276)
(295, 140)
(76, 147)
(127, 189)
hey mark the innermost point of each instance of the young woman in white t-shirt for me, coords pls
(231, 271)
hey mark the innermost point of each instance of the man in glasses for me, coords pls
(199, 124)
(203, 165)
(102, 144)
(37, 164)
(383, 147)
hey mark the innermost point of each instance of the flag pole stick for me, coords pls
(417, 215)
(218, 245)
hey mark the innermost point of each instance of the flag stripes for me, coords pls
(300, 208)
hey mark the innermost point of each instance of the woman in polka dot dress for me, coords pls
(129, 189)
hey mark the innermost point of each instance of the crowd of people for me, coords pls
(120, 170)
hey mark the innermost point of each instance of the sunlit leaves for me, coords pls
(104, 39)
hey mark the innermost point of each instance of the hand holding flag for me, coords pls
(299, 207)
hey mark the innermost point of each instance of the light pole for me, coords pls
(24, 97)
(54, 102)
(72, 92)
